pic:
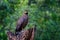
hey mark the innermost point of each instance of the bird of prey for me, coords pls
(22, 22)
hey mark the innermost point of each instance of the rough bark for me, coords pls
(23, 35)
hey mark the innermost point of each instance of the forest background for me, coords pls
(44, 13)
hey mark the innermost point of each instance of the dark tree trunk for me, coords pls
(23, 35)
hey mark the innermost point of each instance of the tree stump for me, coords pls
(23, 35)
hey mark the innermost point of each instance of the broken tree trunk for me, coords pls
(23, 35)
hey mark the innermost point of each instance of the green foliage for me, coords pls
(44, 13)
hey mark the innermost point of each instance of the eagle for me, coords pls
(22, 21)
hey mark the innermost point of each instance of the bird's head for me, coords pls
(26, 12)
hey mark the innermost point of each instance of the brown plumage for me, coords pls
(22, 22)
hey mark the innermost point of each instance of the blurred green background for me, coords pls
(44, 13)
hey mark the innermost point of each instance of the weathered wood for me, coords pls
(11, 36)
(23, 35)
